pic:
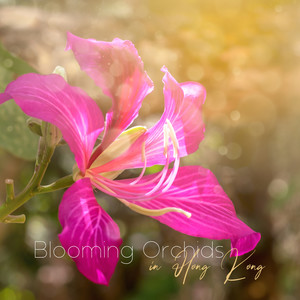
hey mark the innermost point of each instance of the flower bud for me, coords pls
(35, 126)
(61, 71)
(51, 134)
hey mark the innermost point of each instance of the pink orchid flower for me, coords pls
(187, 198)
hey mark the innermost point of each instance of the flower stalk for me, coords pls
(61, 183)
(48, 142)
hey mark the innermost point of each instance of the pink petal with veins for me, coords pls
(52, 99)
(197, 191)
(183, 108)
(117, 68)
(89, 235)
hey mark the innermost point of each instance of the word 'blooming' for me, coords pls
(188, 199)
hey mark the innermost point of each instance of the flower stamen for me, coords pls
(144, 159)
(154, 212)
(166, 140)
(135, 190)
(173, 137)
(146, 211)
(175, 143)
(165, 169)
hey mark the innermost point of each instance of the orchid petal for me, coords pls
(117, 68)
(52, 99)
(183, 109)
(89, 235)
(197, 191)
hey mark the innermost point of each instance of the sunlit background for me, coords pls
(246, 54)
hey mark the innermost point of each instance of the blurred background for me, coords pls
(246, 54)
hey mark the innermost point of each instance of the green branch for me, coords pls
(48, 142)
(61, 183)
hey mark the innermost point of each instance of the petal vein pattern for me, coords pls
(183, 109)
(89, 235)
(119, 71)
(196, 190)
(52, 99)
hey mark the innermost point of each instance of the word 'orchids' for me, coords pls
(188, 199)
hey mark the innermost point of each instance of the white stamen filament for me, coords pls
(154, 212)
(173, 137)
(146, 211)
(102, 182)
(144, 159)
(117, 190)
(160, 176)
(165, 170)
(172, 175)
(166, 140)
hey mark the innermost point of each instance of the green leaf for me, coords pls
(14, 134)
(11, 67)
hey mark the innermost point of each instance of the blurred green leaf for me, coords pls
(11, 293)
(159, 285)
(11, 67)
(14, 134)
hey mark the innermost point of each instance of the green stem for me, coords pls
(44, 155)
(15, 203)
(29, 192)
(61, 183)
(48, 141)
